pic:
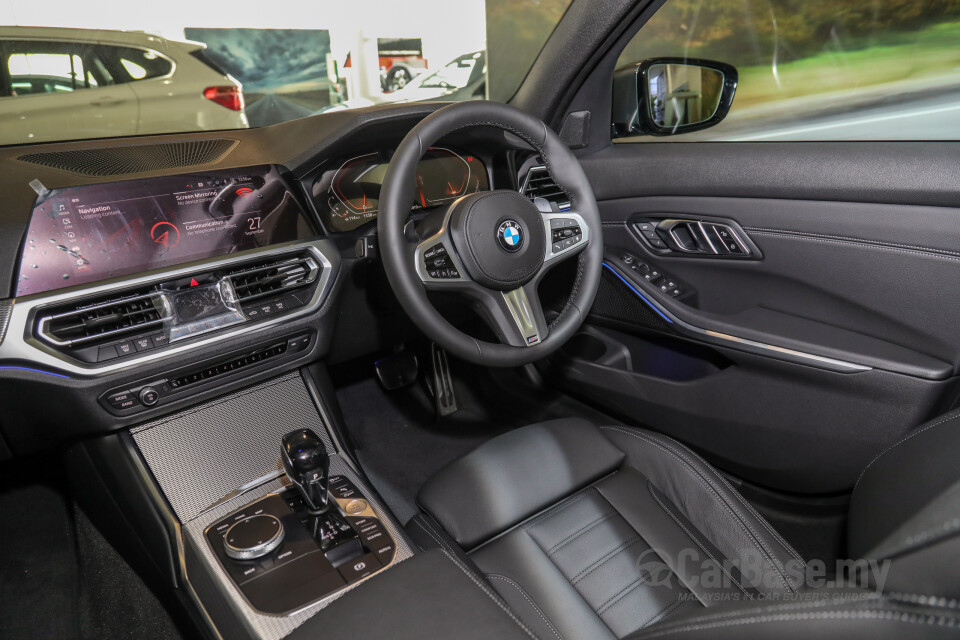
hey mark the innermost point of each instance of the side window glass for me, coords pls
(819, 69)
(45, 73)
(130, 64)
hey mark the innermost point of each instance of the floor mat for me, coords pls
(59, 578)
(401, 442)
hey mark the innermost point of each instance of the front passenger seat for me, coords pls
(611, 532)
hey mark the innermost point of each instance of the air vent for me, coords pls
(115, 161)
(260, 280)
(540, 184)
(101, 321)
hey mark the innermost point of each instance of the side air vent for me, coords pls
(101, 321)
(115, 161)
(260, 280)
(538, 183)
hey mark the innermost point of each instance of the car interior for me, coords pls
(520, 369)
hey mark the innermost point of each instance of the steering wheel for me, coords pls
(493, 247)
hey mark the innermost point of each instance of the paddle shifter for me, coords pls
(307, 464)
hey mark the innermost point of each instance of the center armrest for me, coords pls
(431, 595)
(515, 475)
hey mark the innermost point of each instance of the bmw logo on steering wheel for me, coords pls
(510, 235)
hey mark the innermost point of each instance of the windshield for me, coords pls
(116, 68)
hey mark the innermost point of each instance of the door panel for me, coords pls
(793, 370)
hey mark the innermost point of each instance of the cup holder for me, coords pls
(585, 347)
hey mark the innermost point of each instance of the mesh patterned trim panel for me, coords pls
(115, 161)
(200, 455)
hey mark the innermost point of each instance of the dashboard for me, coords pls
(347, 196)
(140, 276)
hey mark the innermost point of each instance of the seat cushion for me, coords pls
(659, 533)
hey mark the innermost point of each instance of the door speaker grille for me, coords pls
(114, 161)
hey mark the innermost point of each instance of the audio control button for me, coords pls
(149, 396)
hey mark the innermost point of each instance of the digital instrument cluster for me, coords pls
(347, 196)
(84, 234)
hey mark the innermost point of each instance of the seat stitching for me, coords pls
(533, 604)
(436, 536)
(744, 525)
(602, 560)
(763, 522)
(579, 532)
(707, 469)
(886, 614)
(562, 507)
(900, 442)
(731, 509)
(663, 613)
(623, 593)
(496, 600)
(787, 547)
(925, 600)
(870, 599)
(696, 541)
(911, 542)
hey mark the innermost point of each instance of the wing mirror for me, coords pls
(667, 96)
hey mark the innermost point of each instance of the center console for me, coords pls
(274, 521)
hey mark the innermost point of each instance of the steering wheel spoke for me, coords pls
(516, 316)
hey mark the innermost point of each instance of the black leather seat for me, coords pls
(610, 532)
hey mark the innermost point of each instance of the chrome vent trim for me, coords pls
(252, 283)
(135, 158)
(538, 183)
(22, 343)
(87, 316)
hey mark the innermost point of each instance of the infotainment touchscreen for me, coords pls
(84, 234)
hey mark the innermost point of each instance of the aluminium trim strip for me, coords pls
(743, 344)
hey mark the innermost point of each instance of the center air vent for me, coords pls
(102, 320)
(540, 184)
(260, 280)
(128, 323)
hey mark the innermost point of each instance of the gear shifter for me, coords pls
(307, 464)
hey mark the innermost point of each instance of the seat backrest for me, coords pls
(905, 508)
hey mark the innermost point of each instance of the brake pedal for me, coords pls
(444, 396)
(397, 371)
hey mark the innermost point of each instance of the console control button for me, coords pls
(149, 396)
(123, 400)
(384, 551)
(126, 348)
(299, 343)
(359, 568)
(344, 491)
(356, 506)
(253, 537)
(108, 352)
(143, 344)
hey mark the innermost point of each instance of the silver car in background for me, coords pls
(60, 83)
